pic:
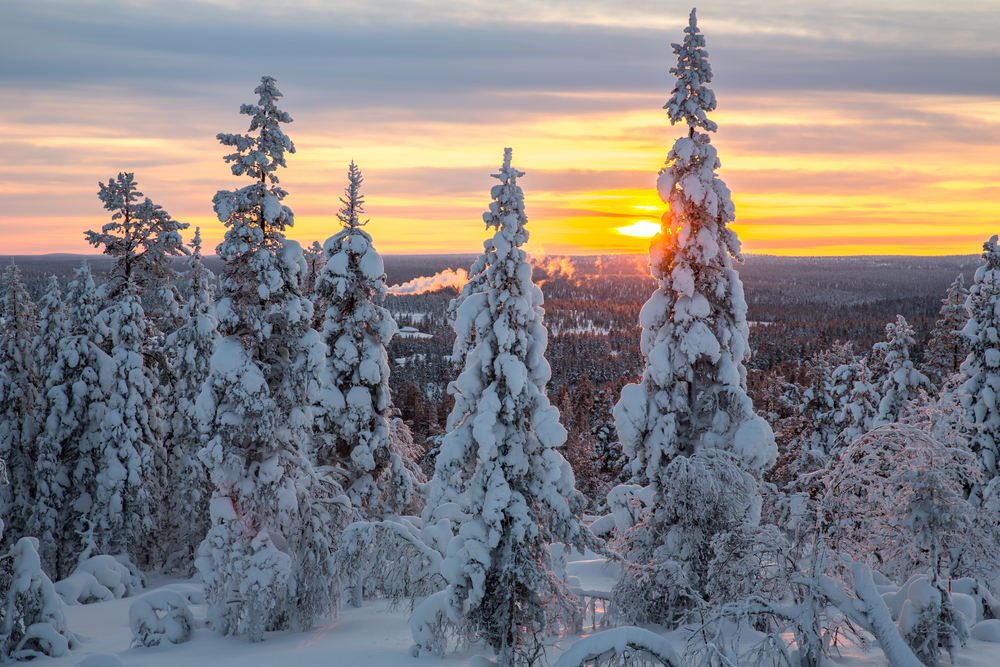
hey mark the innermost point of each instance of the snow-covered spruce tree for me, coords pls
(142, 238)
(69, 413)
(267, 560)
(693, 392)
(981, 370)
(125, 507)
(521, 497)
(692, 400)
(948, 348)
(190, 349)
(32, 622)
(18, 389)
(51, 328)
(900, 382)
(857, 400)
(353, 425)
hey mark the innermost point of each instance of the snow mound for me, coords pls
(618, 641)
(101, 660)
(986, 631)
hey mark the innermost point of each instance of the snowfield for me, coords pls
(373, 635)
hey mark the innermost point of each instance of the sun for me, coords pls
(644, 228)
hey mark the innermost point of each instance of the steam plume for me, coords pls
(446, 278)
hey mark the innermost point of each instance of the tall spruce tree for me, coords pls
(267, 560)
(521, 497)
(190, 350)
(354, 432)
(69, 412)
(689, 428)
(948, 348)
(18, 390)
(693, 392)
(981, 370)
(124, 515)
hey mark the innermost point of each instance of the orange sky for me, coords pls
(815, 170)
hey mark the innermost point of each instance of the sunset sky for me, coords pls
(859, 127)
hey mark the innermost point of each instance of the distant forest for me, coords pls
(798, 306)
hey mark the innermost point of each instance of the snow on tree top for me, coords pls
(691, 99)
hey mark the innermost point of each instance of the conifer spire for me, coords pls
(690, 98)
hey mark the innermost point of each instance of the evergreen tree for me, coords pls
(18, 388)
(947, 348)
(521, 497)
(355, 401)
(981, 370)
(858, 400)
(689, 428)
(51, 328)
(900, 382)
(191, 348)
(267, 560)
(693, 392)
(142, 238)
(69, 412)
(124, 513)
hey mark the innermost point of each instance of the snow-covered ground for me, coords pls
(373, 635)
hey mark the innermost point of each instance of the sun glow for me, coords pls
(643, 228)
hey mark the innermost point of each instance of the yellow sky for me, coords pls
(820, 160)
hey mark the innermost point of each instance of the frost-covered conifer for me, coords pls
(693, 392)
(981, 370)
(692, 400)
(521, 496)
(354, 405)
(142, 238)
(51, 328)
(69, 413)
(820, 400)
(858, 401)
(477, 282)
(948, 348)
(32, 622)
(18, 389)
(125, 506)
(900, 382)
(267, 560)
(690, 99)
(191, 348)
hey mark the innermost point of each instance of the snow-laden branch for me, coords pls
(617, 641)
(869, 611)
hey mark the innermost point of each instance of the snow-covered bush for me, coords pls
(99, 579)
(388, 559)
(32, 622)
(894, 500)
(981, 370)
(929, 620)
(267, 559)
(18, 389)
(353, 424)
(521, 495)
(160, 615)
